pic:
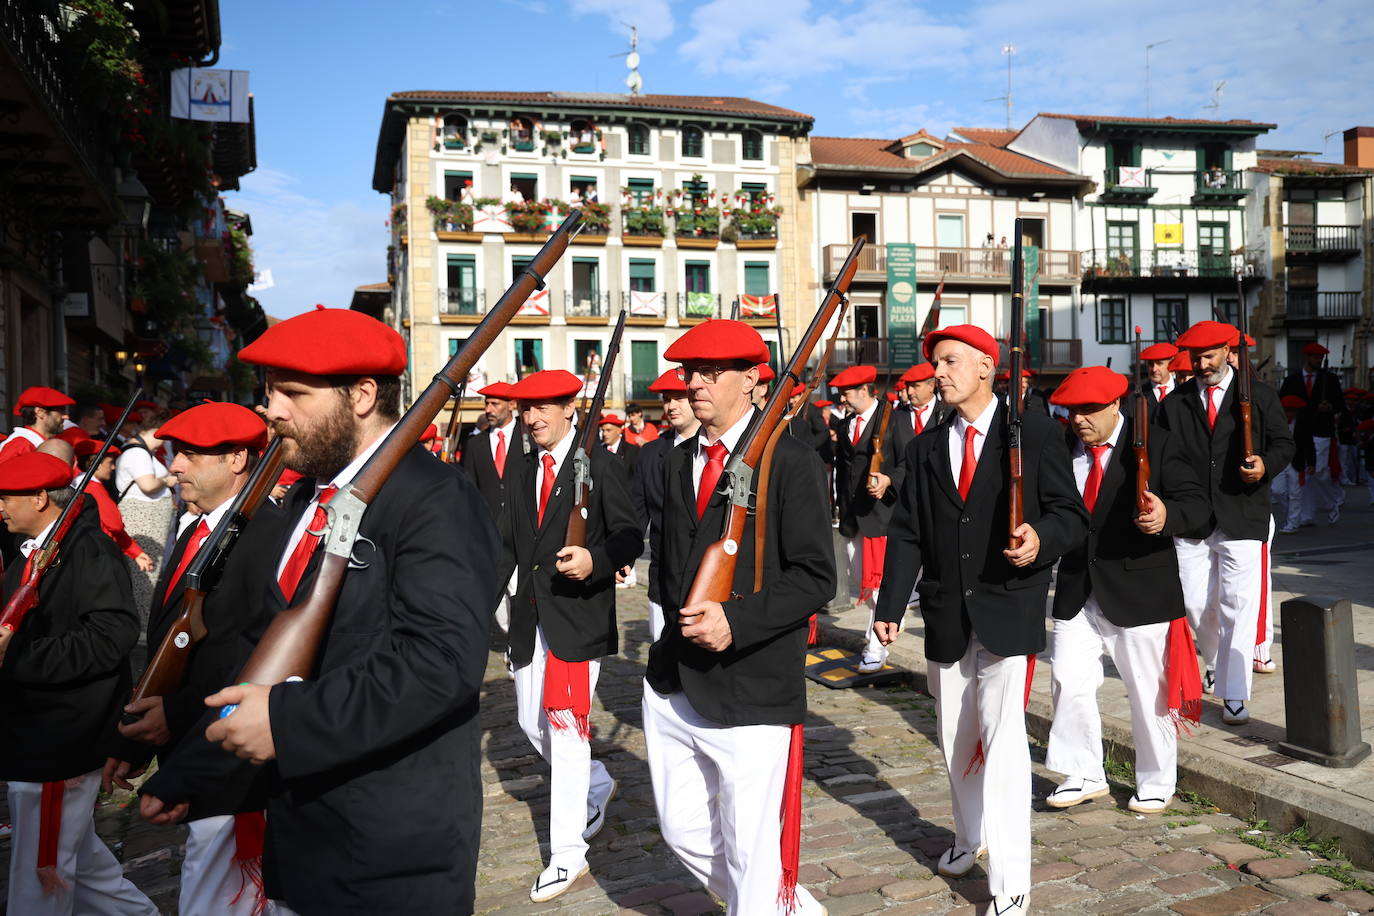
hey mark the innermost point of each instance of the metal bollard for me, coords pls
(1320, 703)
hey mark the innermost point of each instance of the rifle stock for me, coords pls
(455, 426)
(576, 535)
(1140, 427)
(1016, 502)
(25, 597)
(291, 642)
(1244, 377)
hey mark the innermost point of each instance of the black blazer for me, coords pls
(578, 618)
(65, 676)
(390, 714)
(859, 512)
(1151, 392)
(478, 462)
(1133, 576)
(939, 410)
(1326, 389)
(628, 454)
(1240, 509)
(967, 586)
(646, 492)
(808, 427)
(232, 608)
(758, 679)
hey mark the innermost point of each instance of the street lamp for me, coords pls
(136, 201)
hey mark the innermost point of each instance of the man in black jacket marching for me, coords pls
(563, 613)
(1220, 559)
(485, 455)
(983, 603)
(1118, 592)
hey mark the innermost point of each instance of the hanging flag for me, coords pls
(758, 306)
(200, 94)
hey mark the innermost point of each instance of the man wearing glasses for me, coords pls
(724, 683)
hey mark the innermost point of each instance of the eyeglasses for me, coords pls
(709, 374)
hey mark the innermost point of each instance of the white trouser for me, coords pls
(577, 783)
(1139, 653)
(210, 878)
(655, 621)
(94, 880)
(982, 696)
(1264, 641)
(1221, 578)
(1350, 464)
(1322, 492)
(718, 792)
(1287, 491)
(874, 650)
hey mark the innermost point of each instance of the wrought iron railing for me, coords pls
(959, 263)
(1311, 303)
(1124, 263)
(1219, 182)
(586, 303)
(1309, 238)
(462, 301)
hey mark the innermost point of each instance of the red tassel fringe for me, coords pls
(1263, 629)
(791, 820)
(567, 695)
(250, 828)
(1183, 685)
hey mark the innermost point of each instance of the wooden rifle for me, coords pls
(166, 670)
(455, 426)
(875, 458)
(582, 462)
(1243, 378)
(715, 574)
(291, 642)
(1016, 505)
(48, 553)
(1140, 432)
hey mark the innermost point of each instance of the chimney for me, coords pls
(1359, 147)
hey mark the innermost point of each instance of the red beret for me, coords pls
(970, 334)
(1161, 350)
(918, 373)
(215, 424)
(73, 434)
(34, 471)
(1183, 362)
(610, 418)
(430, 434)
(1293, 401)
(1005, 376)
(146, 404)
(825, 403)
(89, 446)
(40, 396)
(1235, 341)
(766, 373)
(669, 383)
(1208, 334)
(329, 342)
(719, 339)
(854, 376)
(892, 396)
(549, 385)
(503, 390)
(1355, 392)
(1310, 349)
(134, 417)
(1089, 385)
(1365, 426)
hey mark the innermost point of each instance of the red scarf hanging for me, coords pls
(874, 549)
(791, 820)
(568, 695)
(49, 833)
(1183, 685)
(250, 827)
(976, 761)
(1333, 460)
(1263, 630)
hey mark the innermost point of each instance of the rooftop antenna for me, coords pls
(1326, 138)
(1214, 106)
(1009, 50)
(633, 80)
(1153, 44)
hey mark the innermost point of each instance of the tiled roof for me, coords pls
(679, 103)
(383, 287)
(861, 153)
(993, 136)
(1160, 122)
(1307, 167)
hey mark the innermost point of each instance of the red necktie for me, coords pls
(1211, 407)
(305, 547)
(1163, 390)
(1308, 383)
(192, 547)
(917, 421)
(1094, 481)
(546, 485)
(858, 424)
(500, 458)
(710, 475)
(969, 465)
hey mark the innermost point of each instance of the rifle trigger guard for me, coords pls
(343, 516)
(353, 561)
(737, 484)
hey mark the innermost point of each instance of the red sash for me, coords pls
(567, 695)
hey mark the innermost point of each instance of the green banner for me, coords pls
(1031, 255)
(901, 304)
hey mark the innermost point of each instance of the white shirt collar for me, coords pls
(1113, 440)
(1223, 385)
(212, 519)
(983, 423)
(730, 437)
(345, 477)
(867, 414)
(29, 546)
(560, 448)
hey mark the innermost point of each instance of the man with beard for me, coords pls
(982, 602)
(563, 614)
(648, 486)
(357, 755)
(1220, 560)
(41, 411)
(485, 455)
(216, 447)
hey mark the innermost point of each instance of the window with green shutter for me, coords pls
(639, 140)
(698, 276)
(641, 191)
(756, 282)
(753, 145)
(693, 143)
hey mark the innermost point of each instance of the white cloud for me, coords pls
(317, 251)
(653, 18)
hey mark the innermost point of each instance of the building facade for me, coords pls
(689, 204)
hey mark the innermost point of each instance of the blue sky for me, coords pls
(322, 69)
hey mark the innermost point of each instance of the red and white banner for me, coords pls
(537, 304)
(758, 306)
(490, 218)
(646, 305)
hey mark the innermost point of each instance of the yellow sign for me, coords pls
(1168, 233)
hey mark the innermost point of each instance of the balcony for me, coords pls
(638, 387)
(1321, 242)
(586, 306)
(693, 308)
(642, 226)
(1058, 353)
(960, 265)
(644, 306)
(1127, 183)
(1218, 185)
(697, 228)
(857, 351)
(462, 304)
(1161, 268)
(1314, 305)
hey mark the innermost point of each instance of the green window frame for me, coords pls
(462, 284)
(453, 183)
(638, 140)
(752, 145)
(641, 191)
(643, 275)
(693, 142)
(698, 276)
(1111, 320)
(1170, 317)
(756, 278)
